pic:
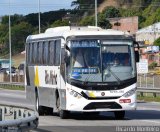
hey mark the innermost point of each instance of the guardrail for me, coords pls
(141, 90)
(13, 118)
(154, 91)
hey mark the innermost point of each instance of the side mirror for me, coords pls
(62, 56)
(137, 56)
(67, 58)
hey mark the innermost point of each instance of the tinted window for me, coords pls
(46, 52)
(27, 52)
(40, 53)
(35, 53)
(52, 53)
(58, 47)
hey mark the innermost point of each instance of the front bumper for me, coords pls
(83, 104)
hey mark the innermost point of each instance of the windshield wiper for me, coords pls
(117, 78)
(86, 79)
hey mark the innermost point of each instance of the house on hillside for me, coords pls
(147, 36)
(129, 24)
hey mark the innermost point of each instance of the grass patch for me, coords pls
(149, 98)
(12, 87)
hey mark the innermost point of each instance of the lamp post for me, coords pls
(39, 16)
(10, 47)
(96, 21)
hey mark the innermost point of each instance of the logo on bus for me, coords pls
(50, 77)
(103, 93)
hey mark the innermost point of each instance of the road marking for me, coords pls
(157, 122)
(145, 108)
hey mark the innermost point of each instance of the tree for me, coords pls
(103, 22)
(111, 12)
(60, 23)
(87, 21)
(19, 34)
(157, 42)
(15, 19)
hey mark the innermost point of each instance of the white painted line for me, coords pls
(151, 121)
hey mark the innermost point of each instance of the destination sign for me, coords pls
(85, 70)
(84, 43)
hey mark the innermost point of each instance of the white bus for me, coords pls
(82, 69)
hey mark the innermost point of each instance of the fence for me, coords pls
(148, 83)
(17, 77)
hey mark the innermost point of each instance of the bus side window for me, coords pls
(45, 51)
(31, 53)
(52, 53)
(57, 52)
(35, 52)
(27, 53)
(40, 53)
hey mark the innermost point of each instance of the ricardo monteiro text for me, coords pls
(137, 129)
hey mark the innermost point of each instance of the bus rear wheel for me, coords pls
(63, 114)
(119, 115)
(39, 108)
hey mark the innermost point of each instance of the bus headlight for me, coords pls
(75, 94)
(130, 93)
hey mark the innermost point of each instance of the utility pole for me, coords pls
(39, 16)
(10, 50)
(155, 29)
(96, 19)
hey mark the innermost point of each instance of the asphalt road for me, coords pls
(147, 114)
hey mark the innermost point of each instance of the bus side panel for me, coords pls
(30, 94)
(49, 83)
(62, 93)
(47, 96)
(30, 88)
(62, 90)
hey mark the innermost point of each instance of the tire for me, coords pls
(119, 115)
(39, 109)
(63, 114)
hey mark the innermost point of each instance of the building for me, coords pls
(129, 24)
(147, 36)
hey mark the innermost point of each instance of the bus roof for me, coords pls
(67, 31)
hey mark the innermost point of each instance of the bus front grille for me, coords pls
(102, 105)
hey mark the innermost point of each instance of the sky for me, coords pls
(25, 7)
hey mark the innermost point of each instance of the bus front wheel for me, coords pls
(119, 115)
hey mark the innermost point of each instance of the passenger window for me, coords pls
(52, 53)
(31, 53)
(57, 52)
(27, 52)
(40, 53)
(35, 53)
(45, 51)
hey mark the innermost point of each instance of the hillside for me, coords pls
(148, 12)
(106, 3)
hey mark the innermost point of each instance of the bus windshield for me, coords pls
(93, 61)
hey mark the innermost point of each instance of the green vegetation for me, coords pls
(149, 98)
(157, 42)
(82, 14)
(12, 87)
(152, 65)
(22, 26)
